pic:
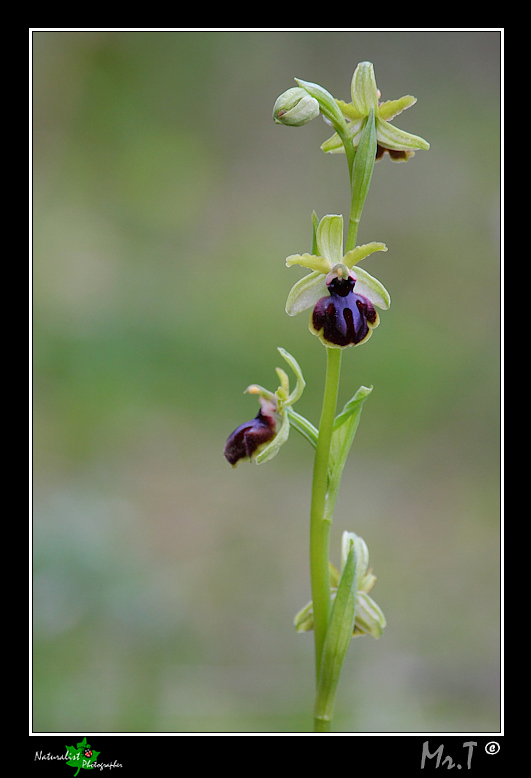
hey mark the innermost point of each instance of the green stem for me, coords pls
(352, 230)
(319, 525)
(321, 724)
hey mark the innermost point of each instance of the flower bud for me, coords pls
(295, 107)
(369, 619)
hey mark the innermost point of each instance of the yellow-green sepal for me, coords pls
(372, 289)
(305, 293)
(391, 137)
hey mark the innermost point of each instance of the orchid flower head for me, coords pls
(343, 296)
(260, 439)
(365, 95)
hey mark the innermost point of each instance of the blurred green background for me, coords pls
(165, 203)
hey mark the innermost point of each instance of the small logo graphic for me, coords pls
(492, 747)
(82, 757)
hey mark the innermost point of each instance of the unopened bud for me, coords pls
(295, 107)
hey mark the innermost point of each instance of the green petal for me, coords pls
(370, 287)
(392, 138)
(391, 108)
(362, 551)
(283, 390)
(333, 145)
(305, 293)
(349, 111)
(310, 261)
(301, 383)
(304, 618)
(354, 256)
(370, 619)
(330, 238)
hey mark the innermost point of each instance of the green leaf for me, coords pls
(338, 637)
(345, 426)
(77, 758)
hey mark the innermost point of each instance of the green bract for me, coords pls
(400, 144)
(329, 245)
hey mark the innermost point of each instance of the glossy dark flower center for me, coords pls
(341, 286)
(397, 155)
(343, 318)
(249, 437)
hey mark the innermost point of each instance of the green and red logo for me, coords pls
(82, 757)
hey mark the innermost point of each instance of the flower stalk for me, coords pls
(320, 521)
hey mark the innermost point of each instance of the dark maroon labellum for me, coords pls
(249, 437)
(344, 317)
(397, 155)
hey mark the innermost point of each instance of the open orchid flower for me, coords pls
(260, 439)
(343, 299)
(399, 144)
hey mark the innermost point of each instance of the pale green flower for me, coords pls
(370, 619)
(365, 95)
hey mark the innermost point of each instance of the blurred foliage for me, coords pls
(165, 203)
